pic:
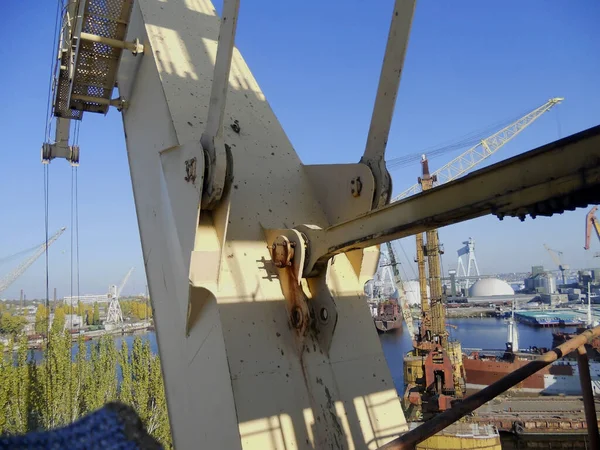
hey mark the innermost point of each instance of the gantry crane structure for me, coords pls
(556, 256)
(256, 262)
(469, 251)
(12, 276)
(591, 222)
(114, 316)
(399, 285)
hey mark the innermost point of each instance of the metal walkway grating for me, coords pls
(94, 64)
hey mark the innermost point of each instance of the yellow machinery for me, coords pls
(256, 262)
(591, 222)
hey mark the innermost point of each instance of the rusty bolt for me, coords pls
(324, 315)
(296, 317)
(282, 251)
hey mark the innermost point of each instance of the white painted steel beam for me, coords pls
(385, 101)
(551, 179)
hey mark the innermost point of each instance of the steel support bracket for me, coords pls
(52, 151)
(287, 250)
(61, 148)
(135, 47)
(322, 310)
(309, 302)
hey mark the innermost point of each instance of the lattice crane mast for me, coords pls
(591, 221)
(556, 257)
(483, 150)
(402, 299)
(20, 270)
(115, 314)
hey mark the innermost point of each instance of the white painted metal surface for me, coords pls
(385, 101)
(233, 376)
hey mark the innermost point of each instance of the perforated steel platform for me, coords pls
(94, 65)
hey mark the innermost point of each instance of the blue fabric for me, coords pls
(106, 428)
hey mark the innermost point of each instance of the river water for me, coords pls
(484, 333)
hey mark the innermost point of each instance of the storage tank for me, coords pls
(489, 287)
(547, 284)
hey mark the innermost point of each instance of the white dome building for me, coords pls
(413, 292)
(489, 287)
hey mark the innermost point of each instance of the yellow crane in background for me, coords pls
(591, 221)
(556, 257)
(451, 171)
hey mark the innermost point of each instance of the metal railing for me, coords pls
(410, 439)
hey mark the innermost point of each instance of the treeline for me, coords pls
(136, 309)
(59, 389)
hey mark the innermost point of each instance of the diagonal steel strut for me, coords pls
(562, 175)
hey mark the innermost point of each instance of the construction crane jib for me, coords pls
(486, 148)
(11, 277)
(591, 223)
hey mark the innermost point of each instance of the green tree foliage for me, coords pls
(12, 325)
(58, 323)
(142, 387)
(41, 320)
(136, 309)
(96, 316)
(61, 388)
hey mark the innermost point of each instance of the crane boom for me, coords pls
(406, 313)
(556, 257)
(554, 254)
(16, 273)
(124, 282)
(591, 221)
(486, 148)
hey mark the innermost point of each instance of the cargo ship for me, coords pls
(483, 368)
(387, 316)
(561, 377)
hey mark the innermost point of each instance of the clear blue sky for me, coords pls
(469, 64)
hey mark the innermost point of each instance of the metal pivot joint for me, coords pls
(309, 302)
(218, 157)
(61, 148)
(282, 252)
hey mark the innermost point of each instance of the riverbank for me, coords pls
(36, 342)
(463, 313)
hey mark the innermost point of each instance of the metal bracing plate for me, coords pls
(233, 377)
